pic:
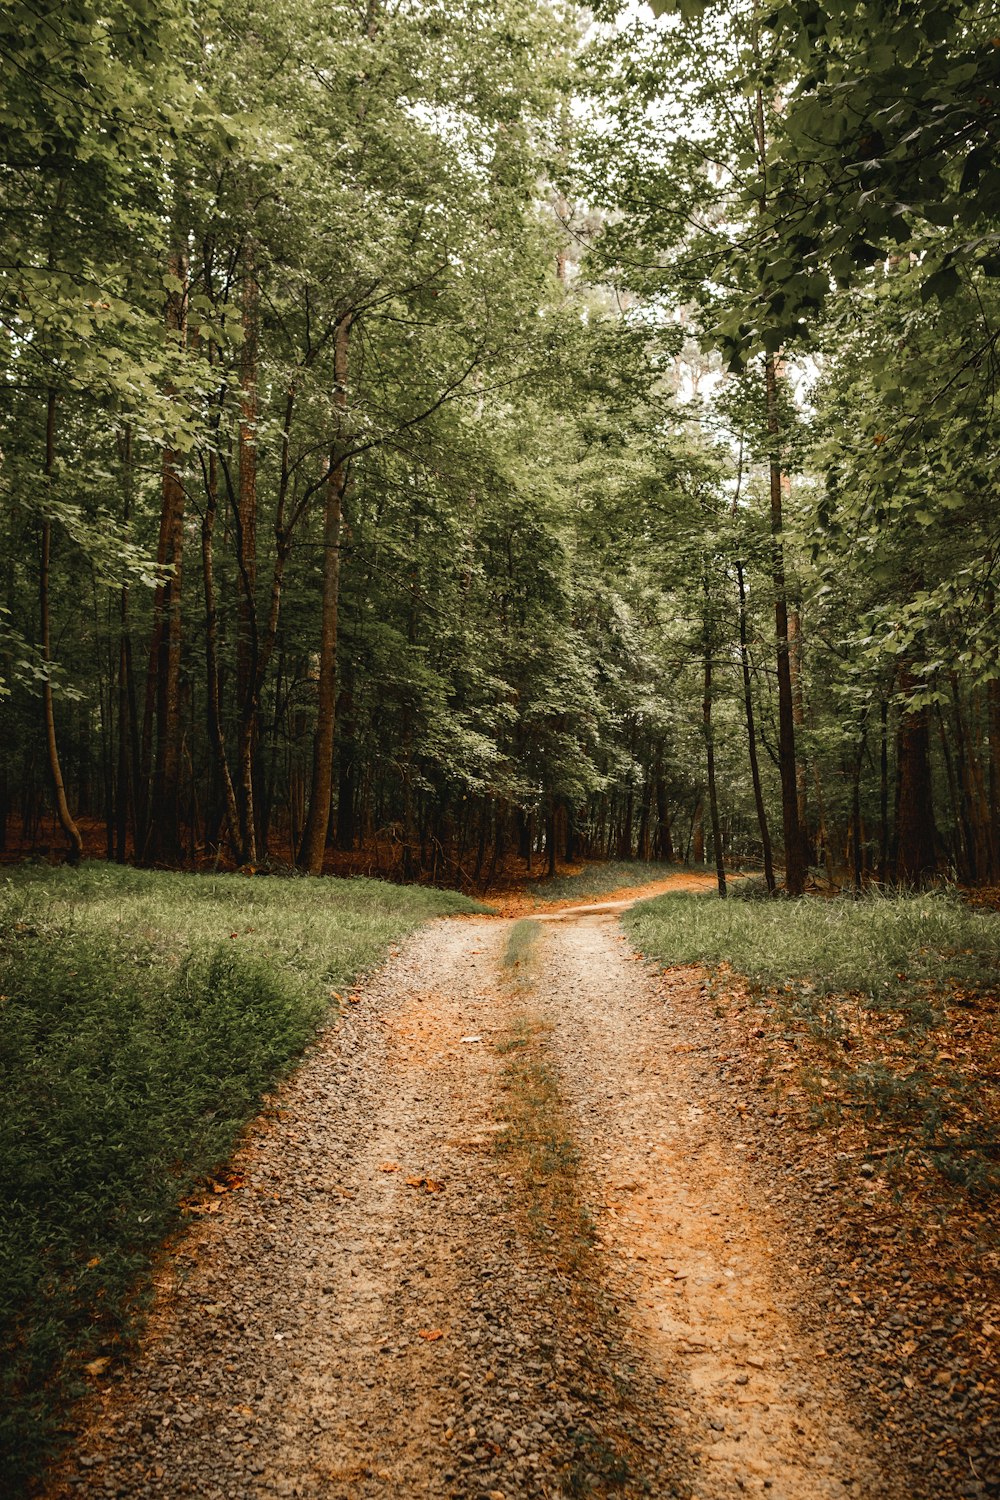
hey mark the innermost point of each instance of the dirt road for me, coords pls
(490, 1242)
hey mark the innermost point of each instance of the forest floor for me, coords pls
(511, 1231)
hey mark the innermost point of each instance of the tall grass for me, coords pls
(141, 1018)
(894, 950)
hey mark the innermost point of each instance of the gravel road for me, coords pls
(372, 1310)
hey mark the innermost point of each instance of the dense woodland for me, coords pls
(458, 434)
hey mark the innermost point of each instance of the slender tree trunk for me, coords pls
(883, 793)
(248, 645)
(915, 834)
(214, 712)
(795, 866)
(856, 832)
(706, 720)
(66, 819)
(799, 721)
(758, 792)
(123, 798)
(993, 730)
(163, 839)
(960, 846)
(318, 818)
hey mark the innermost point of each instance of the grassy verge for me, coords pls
(142, 1016)
(600, 878)
(883, 1011)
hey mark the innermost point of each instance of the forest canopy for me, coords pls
(433, 436)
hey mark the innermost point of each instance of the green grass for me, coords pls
(142, 1016)
(895, 950)
(888, 1005)
(599, 878)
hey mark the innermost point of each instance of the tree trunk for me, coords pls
(706, 720)
(795, 866)
(214, 712)
(915, 833)
(856, 835)
(318, 818)
(163, 839)
(126, 689)
(883, 793)
(66, 820)
(799, 721)
(247, 644)
(758, 792)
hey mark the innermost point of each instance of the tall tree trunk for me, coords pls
(795, 866)
(856, 833)
(915, 833)
(66, 819)
(163, 840)
(883, 793)
(126, 689)
(799, 721)
(214, 711)
(758, 792)
(706, 720)
(248, 644)
(318, 818)
(993, 729)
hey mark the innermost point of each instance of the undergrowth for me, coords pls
(142, 1016)
(901, 952)
(885, 1008)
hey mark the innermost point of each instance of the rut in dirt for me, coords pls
(391, 1305)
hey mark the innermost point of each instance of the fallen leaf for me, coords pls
(390, 1166)
(98, 1366)
(430, 1334)
(414, 1182)
(95, 1260)
(434, 1187)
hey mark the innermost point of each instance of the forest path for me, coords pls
(384, 1305)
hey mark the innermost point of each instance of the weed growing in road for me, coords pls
(521, 947)
(538, 1141)
(142, 1016)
